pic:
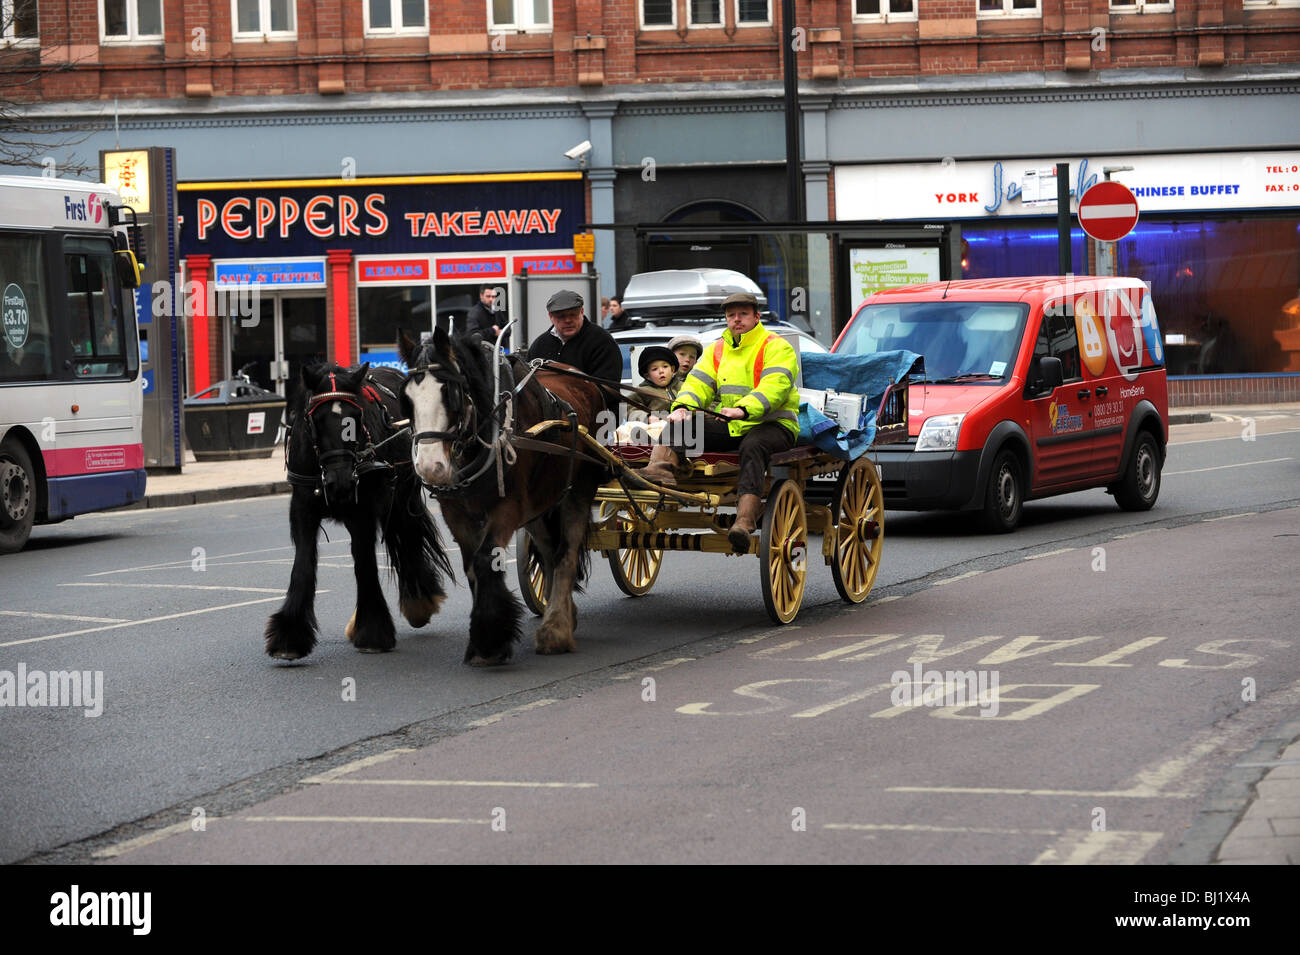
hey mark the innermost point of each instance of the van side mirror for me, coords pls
(1051, 373)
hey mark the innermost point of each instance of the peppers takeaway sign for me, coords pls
(397, 214)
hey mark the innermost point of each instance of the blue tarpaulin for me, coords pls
(869, 375)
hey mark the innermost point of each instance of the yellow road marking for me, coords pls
(366, 819)
(1227, 517)
(1140, 792)
(139, 842)
(654, 669)
(1100, 848)
(1051, 553)
(513, 711)
(978, 830)
(494, 783)
(952, 580)
(330, 775)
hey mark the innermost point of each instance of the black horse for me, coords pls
(456, 414)
(348, 461)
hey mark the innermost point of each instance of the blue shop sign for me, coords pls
(277, 274)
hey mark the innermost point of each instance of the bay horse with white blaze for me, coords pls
(469, 451)
(349, 461)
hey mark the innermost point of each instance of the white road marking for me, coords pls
(60, 616)
(473, 783)
(1141, 792)
(136, 623)
(655, 669)
(139, 842)
(513, 711)
(950, 580)
(251, 590)
(330, 775)
(1051, 553)
(1236, 437)
(184, 561)
(1224, 467)
(914, 827)
(366, 819)
(1116, 847)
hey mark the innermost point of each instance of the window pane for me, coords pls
(706, 11)
(866, 7)
(541, 13)
(503, 13)
(25, 18)
(413, 13)
(381, 14)
(114, 17)
(901, 6)
(657, 13)
(149, 17)
(751, 11)
(25, 351)
(282, 15)
(990, 4)
(1025, 4)
(248, 18)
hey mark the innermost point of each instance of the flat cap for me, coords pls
(687, 341)
(563, 300)
(740, 298)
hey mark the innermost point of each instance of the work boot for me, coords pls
(663, 464)
(748, 509)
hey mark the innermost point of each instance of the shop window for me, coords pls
(883, 11)
(264, 19)
(519, 16)
(17, 21)
(382, 310)
(1268, 4)
(753, 13)
(704, 13)
(1141, 6)
(131, 21)
(1008, 8)
(396, 17)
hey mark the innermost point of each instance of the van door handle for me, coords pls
(1102, 391)
(1084, 393)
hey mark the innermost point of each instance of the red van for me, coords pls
(1032, 387)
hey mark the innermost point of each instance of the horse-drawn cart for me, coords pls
(636, 521)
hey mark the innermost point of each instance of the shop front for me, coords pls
(287, 272)
(1218, 242)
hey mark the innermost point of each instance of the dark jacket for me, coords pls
(481, 319)
(592, 350)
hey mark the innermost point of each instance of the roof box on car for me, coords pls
(687, 289)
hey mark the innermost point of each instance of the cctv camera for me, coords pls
(580, 150)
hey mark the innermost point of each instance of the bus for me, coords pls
(71, 396)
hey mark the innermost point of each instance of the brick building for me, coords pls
(912, 111)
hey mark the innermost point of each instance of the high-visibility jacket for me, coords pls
(756, 373)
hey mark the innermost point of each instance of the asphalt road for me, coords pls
(169, 606)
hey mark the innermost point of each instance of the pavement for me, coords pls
(1251, 817)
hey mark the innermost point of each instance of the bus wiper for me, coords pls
(967, 376)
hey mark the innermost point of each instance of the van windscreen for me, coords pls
(957, 339)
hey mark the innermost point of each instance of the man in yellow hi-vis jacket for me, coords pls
(752, 373)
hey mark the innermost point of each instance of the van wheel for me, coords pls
(17, 497)
(1005, 494)
(1140, 486)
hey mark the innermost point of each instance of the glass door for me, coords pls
(302, 336)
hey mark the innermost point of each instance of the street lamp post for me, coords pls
(794, 188)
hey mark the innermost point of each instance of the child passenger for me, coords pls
(688, 351)
(658, 365)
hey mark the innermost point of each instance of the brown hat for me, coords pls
(740, 298)
(687, 341)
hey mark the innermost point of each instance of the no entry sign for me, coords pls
(1108, 211)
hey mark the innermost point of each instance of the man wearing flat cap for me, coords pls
(576, 341)
(751, 374)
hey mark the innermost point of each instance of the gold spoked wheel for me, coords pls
(859, 510)
(783, 550)
(531, 574)
(635, 570)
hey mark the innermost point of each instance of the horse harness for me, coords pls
(499, 449)
(365, 460)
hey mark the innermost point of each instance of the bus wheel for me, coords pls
(17, 497)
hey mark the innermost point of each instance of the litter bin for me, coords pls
(233, 420)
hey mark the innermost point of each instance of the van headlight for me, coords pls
(939, 433)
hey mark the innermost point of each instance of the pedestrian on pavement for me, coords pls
(577, 341)
(483, 316)
(619, 319)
